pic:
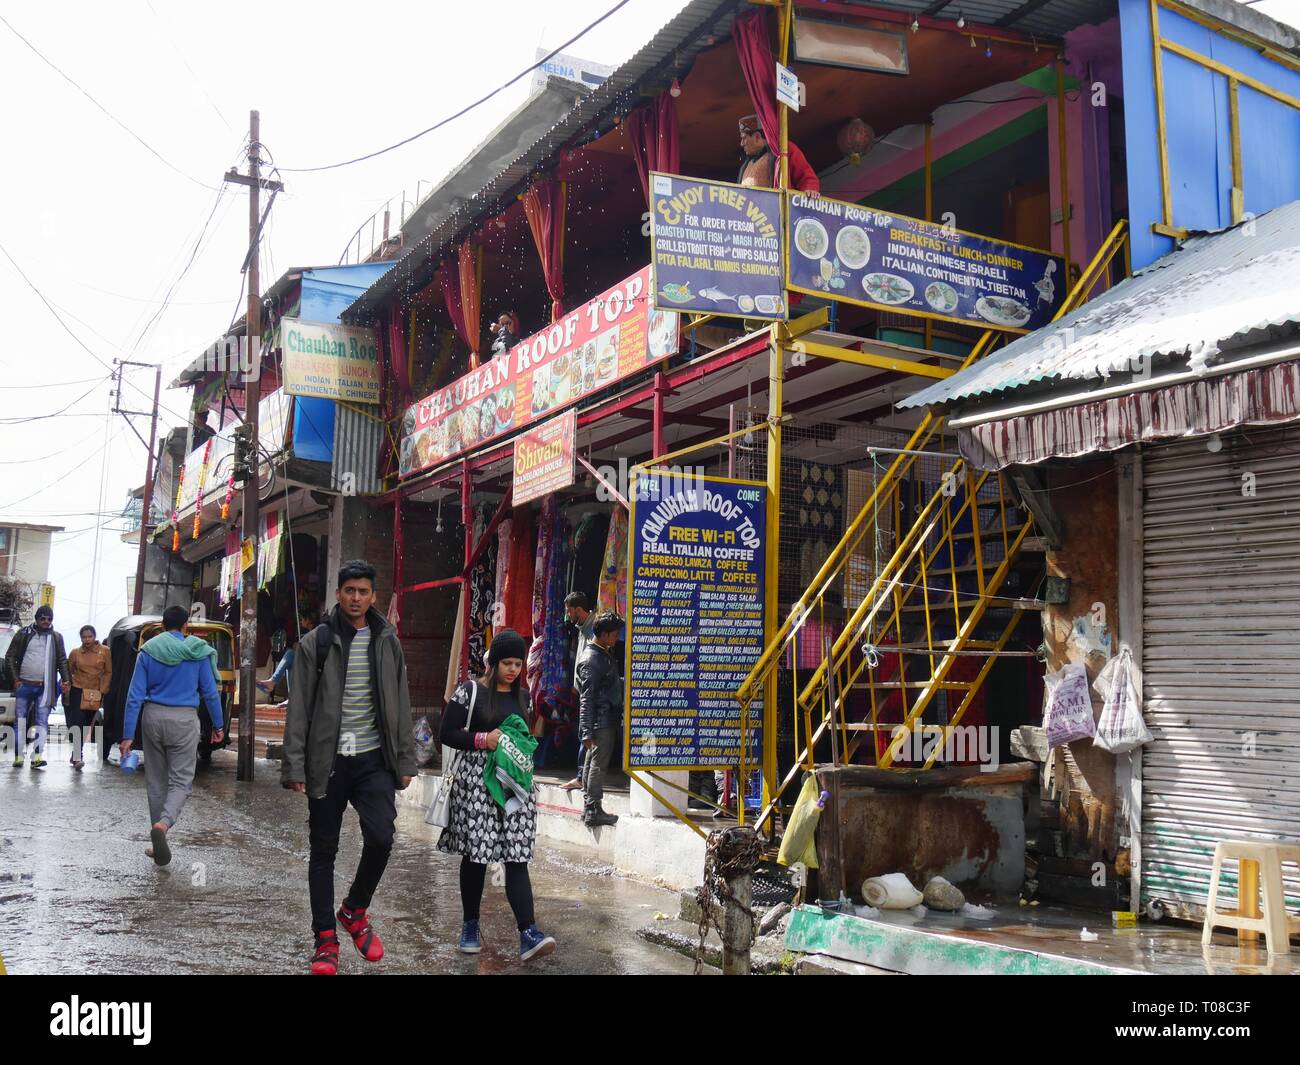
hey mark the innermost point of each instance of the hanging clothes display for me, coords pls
(613, 574)
(503, 566)
(518, 596)
(482, 588)
(457, 640)
(541, 573)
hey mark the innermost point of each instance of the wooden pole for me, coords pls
(252, 401)
(137, 602)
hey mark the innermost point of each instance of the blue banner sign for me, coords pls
(855, 254)
(695, 624)
(716, 248)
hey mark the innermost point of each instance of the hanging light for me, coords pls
(675, 89)
(961, 21)
(916, 24)
(854, 139)
(988, 49)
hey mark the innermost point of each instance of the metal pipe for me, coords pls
(467, 519)
(908, 451)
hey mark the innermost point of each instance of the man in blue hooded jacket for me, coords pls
(171, 674)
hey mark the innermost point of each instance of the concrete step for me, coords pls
(660, 850)
(767, 955)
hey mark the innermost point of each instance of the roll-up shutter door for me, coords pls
(1221, 658)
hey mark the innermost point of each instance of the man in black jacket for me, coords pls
(348, 739)
(600, 713)
(38, 664)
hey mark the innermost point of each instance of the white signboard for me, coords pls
(323, 360)
(787, 87)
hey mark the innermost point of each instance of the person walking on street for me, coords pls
(577, 608)
(38, 662)
(91, 667)
(284, 668)
(481, 831)
(600, 714)
(348, 739)
(172, 673)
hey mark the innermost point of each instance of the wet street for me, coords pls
(78, 895)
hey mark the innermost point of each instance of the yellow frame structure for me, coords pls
(1236, 79)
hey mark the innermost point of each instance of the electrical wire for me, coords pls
(149, 147)
(179, 53)
(469, 107)
(58, 413)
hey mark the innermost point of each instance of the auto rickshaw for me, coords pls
(124, 642)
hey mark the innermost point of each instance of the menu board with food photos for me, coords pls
(604, 341)
(842, 251)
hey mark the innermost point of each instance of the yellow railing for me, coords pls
(904, 576)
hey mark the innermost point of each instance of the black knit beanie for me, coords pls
(507, 644)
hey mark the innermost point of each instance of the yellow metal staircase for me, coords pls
(942, 546)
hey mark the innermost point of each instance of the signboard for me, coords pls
(324, 360)
(544, 458)
(569, 67)
(787, 87)
(878, 259)
(695, 624)
(46, 595)
(716, 247)
(607, 339)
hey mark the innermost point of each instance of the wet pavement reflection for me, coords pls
(78, 895)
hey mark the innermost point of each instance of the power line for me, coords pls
(179, 53)
(57, 413)
(464, 110)
(152, 150)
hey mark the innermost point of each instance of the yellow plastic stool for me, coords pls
(1273, 920)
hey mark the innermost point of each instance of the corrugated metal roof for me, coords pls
(1219, 290)
(669, 45)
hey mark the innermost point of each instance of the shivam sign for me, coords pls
(323, 360)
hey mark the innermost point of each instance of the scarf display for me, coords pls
(613, 573)
(482, 593)
(457, 639)
(503, 566)
(518, 592)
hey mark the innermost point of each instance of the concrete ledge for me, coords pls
(825, 965)
(906, 950)
(765, 956)
(660, 850)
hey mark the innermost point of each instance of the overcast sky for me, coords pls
(103, 227)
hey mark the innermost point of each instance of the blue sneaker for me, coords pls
(470, 941)
(532, 944)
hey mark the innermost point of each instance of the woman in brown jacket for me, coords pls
(91, 667)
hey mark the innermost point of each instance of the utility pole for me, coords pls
(252, 398)
(137, 602)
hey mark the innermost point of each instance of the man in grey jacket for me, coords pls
(348, 739)
(600, 714)
(39, 665)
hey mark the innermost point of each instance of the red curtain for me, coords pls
(655, 144)
(397, 356)
(758, 64)
(469, 262)
(449, 279)
(544, 205)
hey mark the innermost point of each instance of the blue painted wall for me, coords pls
(326, 293)
(1197, 130)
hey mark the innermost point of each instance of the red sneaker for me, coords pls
(357, 925)
(325, 962)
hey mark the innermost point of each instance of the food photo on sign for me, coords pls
(879, 259)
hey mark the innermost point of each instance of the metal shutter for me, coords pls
(1220, 658)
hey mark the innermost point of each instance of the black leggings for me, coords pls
(519, 890)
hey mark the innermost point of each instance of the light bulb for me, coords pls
(675, 90)
(961, 21)
(916, 25)
(988, 50)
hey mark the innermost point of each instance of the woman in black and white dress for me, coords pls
(480, 830)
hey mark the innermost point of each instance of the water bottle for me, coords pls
(130, 761)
